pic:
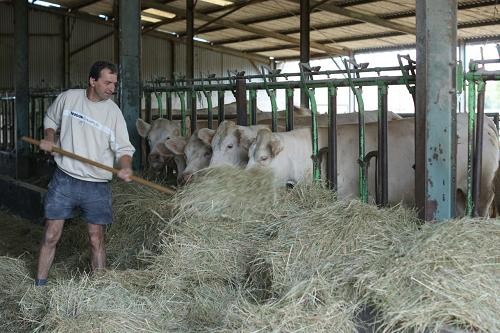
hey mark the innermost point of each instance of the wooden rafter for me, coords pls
(357, 15)
(333, 50)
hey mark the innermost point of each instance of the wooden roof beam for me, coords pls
(258, 31)
(357, 15)
(82, 4)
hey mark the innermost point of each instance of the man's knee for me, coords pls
(96, 236)
(52, 234)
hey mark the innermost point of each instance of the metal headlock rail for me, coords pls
(476, 79)
(306, 80)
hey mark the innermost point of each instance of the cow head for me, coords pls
(196, 152)
(231, 142)
(158, 131)
(264, 149)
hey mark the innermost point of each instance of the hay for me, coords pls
(14, 278)
(449, 276)
(227, 192)
(102, 303)
(343, 242)
(141, 214)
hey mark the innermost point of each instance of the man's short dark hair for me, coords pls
(98, 66)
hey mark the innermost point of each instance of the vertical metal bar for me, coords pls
(147, 101)
(169, 104)
(210, 113)
(191, 96)
(32, 117)
(435, 144)
(470, 145)
(21, 116)
(274, 110)
(382, 160)
(478, 151)
(363, 177)
(332, 138)
(314, 124)
(289, 109)
(305, 14)
(130, 69)
(241, 100)
(220, 97)
(253, 109)
(194, 113)
(182, 98)
(11, 126)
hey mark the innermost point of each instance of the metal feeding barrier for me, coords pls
(245, 87)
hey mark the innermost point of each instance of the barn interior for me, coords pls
(203, 258)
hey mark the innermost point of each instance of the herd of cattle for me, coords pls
(289, 154)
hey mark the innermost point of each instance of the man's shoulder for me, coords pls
(73, 93)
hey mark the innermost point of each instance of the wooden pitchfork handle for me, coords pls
(102, 166)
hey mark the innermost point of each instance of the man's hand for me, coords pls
(125, 174)
(46, 145)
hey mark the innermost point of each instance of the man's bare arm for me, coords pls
(47, 143)
(125, 163)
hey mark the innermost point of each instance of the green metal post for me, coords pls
(470, 142)
(363, 184)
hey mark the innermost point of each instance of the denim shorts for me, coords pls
(66, 193)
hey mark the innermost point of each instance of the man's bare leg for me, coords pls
(96, 240)
(51, 235)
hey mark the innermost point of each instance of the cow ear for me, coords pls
(163, 150)
(206, 135)
(176, 145)
(244, 140)
(142, 127)
(275, 147)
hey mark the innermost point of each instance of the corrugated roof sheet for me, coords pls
(476, 18)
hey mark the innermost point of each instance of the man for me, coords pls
(90, 124)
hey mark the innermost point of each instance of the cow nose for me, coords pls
(186, 177)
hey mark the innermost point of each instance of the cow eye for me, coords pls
(230, 146)
(168, 138)
(263, 158)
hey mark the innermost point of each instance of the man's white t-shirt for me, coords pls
(94, 130)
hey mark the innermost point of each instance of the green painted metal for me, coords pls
(159, 101)
(182, 98)
(470, 142)
(305, 75)
(358, 93)
(208, 97)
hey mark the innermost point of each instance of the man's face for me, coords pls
(104, 87)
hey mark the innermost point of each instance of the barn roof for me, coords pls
(271, 28)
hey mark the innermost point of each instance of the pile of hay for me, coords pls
(448, 276)
(229, 252)
(342, 242)
(141, 215)
(107, 302)
(14, 279)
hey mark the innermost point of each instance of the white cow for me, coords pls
(288, 155)
(158, 131)
(231, 142)
(195, 153)
(304, 119)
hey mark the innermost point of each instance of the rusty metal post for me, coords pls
(241, 99)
